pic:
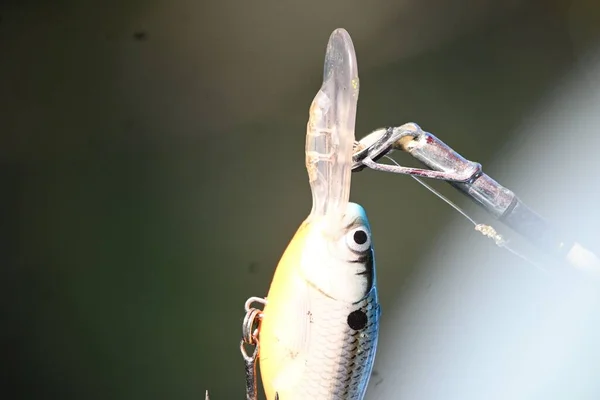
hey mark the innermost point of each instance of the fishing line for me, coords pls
(485, 230)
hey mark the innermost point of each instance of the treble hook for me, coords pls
(250, 333)
(250, 337)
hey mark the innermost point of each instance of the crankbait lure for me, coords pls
(319, 328)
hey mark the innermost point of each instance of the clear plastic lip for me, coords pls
(330, 128)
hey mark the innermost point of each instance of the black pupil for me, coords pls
(360, 237)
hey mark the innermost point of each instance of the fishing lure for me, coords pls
(319, 327)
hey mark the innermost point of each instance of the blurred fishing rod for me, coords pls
(467, 176)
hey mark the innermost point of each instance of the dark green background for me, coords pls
(152, 165)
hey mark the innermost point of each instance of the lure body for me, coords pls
(319, 330)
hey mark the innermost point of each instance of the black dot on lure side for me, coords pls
(357, 320)
(360, 237)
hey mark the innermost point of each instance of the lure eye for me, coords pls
(358, 240)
